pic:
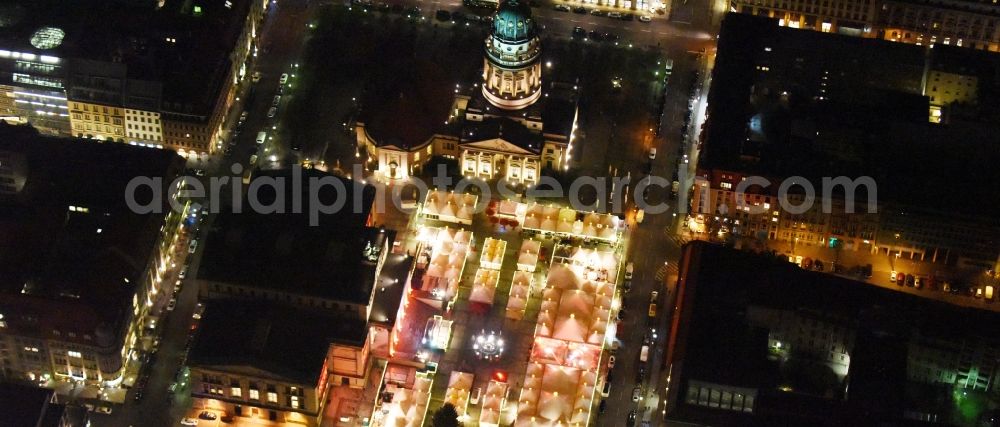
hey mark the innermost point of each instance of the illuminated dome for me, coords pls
(47, 38)
(513, 22)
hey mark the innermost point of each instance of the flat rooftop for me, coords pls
(68, 242)
(787, 102)
(717, 343)
(284, 341)
(335, 259)
(169, 44)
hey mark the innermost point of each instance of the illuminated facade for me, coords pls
(512, 71)
(85, 319)
(510, 129)
(961, 23)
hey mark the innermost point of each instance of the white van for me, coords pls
(261, 137)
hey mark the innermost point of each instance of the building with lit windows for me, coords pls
(787, 103)
(964, 23)
(756, 340)
(511, 126)
(124, 71)
(78, 268)
(259, 360)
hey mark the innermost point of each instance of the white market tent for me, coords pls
(493, 403)
(459, 388)
(527, 256)
(563, 368)
(493, 252)
(484, 286)
(449, 206)
(408, 405)
(446, 250)
(568, 222)
(517, 300)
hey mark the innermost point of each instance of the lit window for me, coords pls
(254, 394)
(272, 397)
(236, 392)
(74, 354)
(726, 185)
(295, 402)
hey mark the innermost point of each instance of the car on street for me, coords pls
(652, 310)
(184, 271)
(283, 79)
(243, 115)
(277, 100)
(627, 17)
(579, 33)
(611, 361)
(177, 286)
(172, 304)
(189, 422)
(652, 153)
(580, 9)
(900, 279)
(645, 18)
(272, 112)
(205, 415)
(561, 8)
(600, 408)
(910, 280)
(637, 393)
(629, 268)
(653, 295)
(892, 276)
(103, 410)
(598, 12)
(630, 421)
(256, 76)
(621, 314)
(606, 391)
(193, 246)
(615, 15)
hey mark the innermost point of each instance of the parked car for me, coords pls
(637, 393)
(272, 112)
(172, 304)
(580, 10)
(652, 153)
(561, 8)
(611, 361)
(653, 295)
(205, 415)
(283, 79)
(910, 280)
(579, 33)
(644, 18)
(900, 279)
(189, 422)
(615, 15)
(630, 421)
(629, 269)
(184, 270)
(627, 17)
(892, 275)
(597, 12)
(193, 246)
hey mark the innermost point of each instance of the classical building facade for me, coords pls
(510, 127)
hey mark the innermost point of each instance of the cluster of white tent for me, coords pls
(484, 286)
(527, 257)
(459, 388)
(449, 206)
(493, 251)
(569, 222)
(408, 405)
(520, 288)
(448, 249)
(569, 335)
(493, 403)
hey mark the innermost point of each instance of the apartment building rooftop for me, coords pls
(336, 258)
(71, 251)
(786, 102)
(715, 341)
(278, 340)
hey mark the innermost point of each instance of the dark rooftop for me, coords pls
(55, 258)
(284, 341)
(787, 102)
(716, 343)
(23, 405)
(201, 37)
(336, 258)
(409, 110)
(505, 129)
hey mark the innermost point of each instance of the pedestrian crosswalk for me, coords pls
(674, 237)
(665, 269)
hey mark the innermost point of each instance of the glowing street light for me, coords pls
(488, 346)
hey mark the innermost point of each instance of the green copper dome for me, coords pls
(513, 22)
